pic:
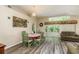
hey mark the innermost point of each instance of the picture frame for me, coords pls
(19, 22)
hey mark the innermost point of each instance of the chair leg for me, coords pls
(38, 43)
(23, 44)
(28, 44)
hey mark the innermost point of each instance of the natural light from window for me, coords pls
(61, 18)
(56, 28)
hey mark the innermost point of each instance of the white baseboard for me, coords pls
(13, 45)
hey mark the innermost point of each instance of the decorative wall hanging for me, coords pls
(41, 24)
(61, 22)
(19, 22)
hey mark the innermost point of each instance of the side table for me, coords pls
(2, 46)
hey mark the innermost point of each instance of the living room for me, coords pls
(40, 19)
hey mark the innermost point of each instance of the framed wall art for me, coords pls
(19, 22)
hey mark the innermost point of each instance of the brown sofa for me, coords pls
(69, 36)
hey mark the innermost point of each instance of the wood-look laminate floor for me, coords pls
(47, 47)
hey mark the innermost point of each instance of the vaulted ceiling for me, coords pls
(50, 10)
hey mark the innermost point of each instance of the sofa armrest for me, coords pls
(76, 35)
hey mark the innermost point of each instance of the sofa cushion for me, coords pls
(70, 37)
(67, 33)
(73, 47)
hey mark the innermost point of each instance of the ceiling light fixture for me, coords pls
(33, 14)
(34, 11)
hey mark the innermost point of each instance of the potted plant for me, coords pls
(33, 28)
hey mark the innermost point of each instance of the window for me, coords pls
(61, 18)
(55, 28)
(52, 28)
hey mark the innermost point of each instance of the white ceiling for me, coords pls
(50, 10)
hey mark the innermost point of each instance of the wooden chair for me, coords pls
(41, 38)
(25, 39)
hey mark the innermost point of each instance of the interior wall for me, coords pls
(41, 21)
(77, 27)
(10, 35)
(63, 27)
(68, 27)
